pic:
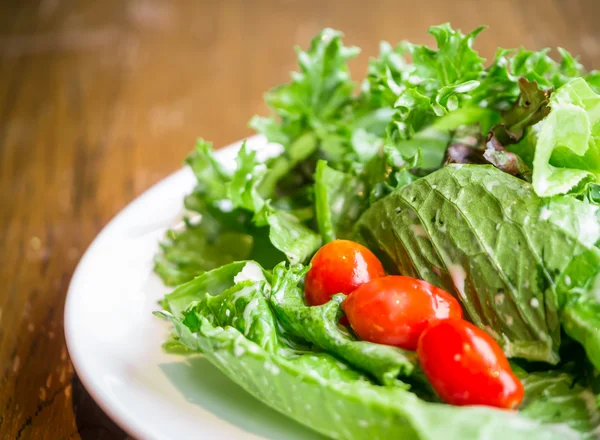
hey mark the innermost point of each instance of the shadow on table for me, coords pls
(216, 393)
(92, 422)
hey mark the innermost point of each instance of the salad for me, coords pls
(419, 259)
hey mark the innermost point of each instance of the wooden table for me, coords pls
(99, 100)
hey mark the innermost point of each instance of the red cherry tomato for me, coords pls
(466, 366)
(394, 310)
(339, 267)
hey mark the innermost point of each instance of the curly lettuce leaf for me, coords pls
(234, 220)
(255, 184)
(272, 195)
(500, 83)
(503, 251)
(211, 177)
(207, 243)
(449, 72)
(387, 75)
(314, 98)
(452, 78)
(541, 68)
(242, 190)
(218, 227)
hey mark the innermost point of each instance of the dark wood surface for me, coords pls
(100, 99)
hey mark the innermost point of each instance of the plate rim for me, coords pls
(106, 401)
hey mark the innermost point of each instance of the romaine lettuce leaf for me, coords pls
(211, 282)
(503, 251)
(581, 318)
(230, 322)
(320, 325)
(568, 146)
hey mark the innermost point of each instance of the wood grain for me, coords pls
(98, 100)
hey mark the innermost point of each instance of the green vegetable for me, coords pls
(230, 322)
(317, 116)
(557, 397)
(290, 236)
(213, 281)
(211, 177)
(214, 232)
(319, 325)
(581, 317)
(242, 190)
(207, 244)
(317, 95)
(568, 144)
(486, 237)
(450, 71)
(340, 199)
(385, 165)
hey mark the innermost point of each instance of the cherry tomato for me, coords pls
(466, 366)
(394, 310)
(339, 267)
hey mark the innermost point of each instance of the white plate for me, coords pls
(115, 341)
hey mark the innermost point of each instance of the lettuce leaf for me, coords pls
(524, 267)
(215, 230)
(229, 320)
(452, 79)
(503, 251)
(568, 145)
(387, 75)
(315, 98)
(209, 242)
(289, 235)
(242, 190)
(557, 396)
(286, 231)
(316, 116)
(230, 217)
(340, 198)
(449, 72)
(581, 318)
(211, 177)
(319, 325)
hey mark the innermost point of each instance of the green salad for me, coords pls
(481, 179)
